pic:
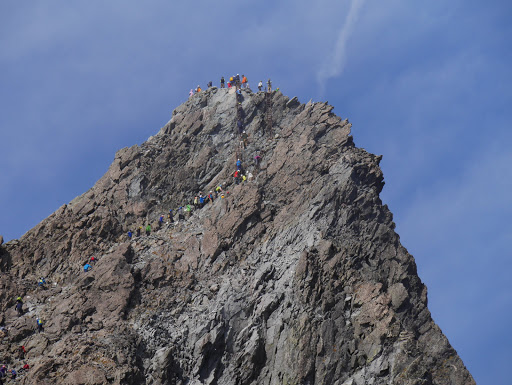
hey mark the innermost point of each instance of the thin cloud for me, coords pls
(335, 64)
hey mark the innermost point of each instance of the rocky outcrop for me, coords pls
(295, 276)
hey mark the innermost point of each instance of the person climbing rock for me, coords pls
(13, 374)
(218, 190)
(87, 267)
(181, 216)
(39, 325)
(130, 235)
(229, 84)
(209, 85)
(188, 211)
(244, 82)
(237, 80)
(244, 178)
(210, 196)
(222, 82)
(257, 161)
(196, 201)
(239, 165)
(240, 126)
(93, 259)
(21, 352)
(198, 89)
(236, 175)
(191, 93)
(139, 229)
(244, 139)
(260, 85)
(148, 230)
(269, 85)
(19, 306)
(201, 200)
(41, 282)
(161, 221)
(171, 216)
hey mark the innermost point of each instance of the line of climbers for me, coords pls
(233, 81)
(200, 200)
(12, 373)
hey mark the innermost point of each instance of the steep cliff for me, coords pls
(295, 276)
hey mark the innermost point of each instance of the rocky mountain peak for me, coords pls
(294, 275)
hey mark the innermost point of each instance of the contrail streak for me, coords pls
(334, 65)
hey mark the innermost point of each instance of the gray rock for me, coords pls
(296, 276)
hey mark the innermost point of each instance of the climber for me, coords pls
(257, 160)
(209, 85)
(13, 374)
(191, 93)
(222, 82)
(39, 325)
(148, 230)
(87, 267)
(93, 259)
(19, 306)
(237, 80)
(210, 196)
(229, 84)
(244, 178)
(130, 234)
(3, 371)
(244, 81)
(198, 89)
(260, 85)
(196, 201)
(218, 190)
(181, 216)
(21, 352)
(269, 85)
(171, 216)
(161, 221)
(236, 175)
(240, 126)
(244, 139)
(231, 80)
(139, 229)
(201, 200)
(41, 282)
(239, 165)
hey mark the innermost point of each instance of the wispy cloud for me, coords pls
(334, 65)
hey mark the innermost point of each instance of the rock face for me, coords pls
(296, 276)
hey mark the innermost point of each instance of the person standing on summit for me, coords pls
(222, 81)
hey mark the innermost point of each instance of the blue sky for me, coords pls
(425, 84)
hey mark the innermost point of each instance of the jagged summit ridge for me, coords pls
(294, 277)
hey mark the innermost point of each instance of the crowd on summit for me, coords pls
(233, 81)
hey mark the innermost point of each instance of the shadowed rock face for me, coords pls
(294, 277)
